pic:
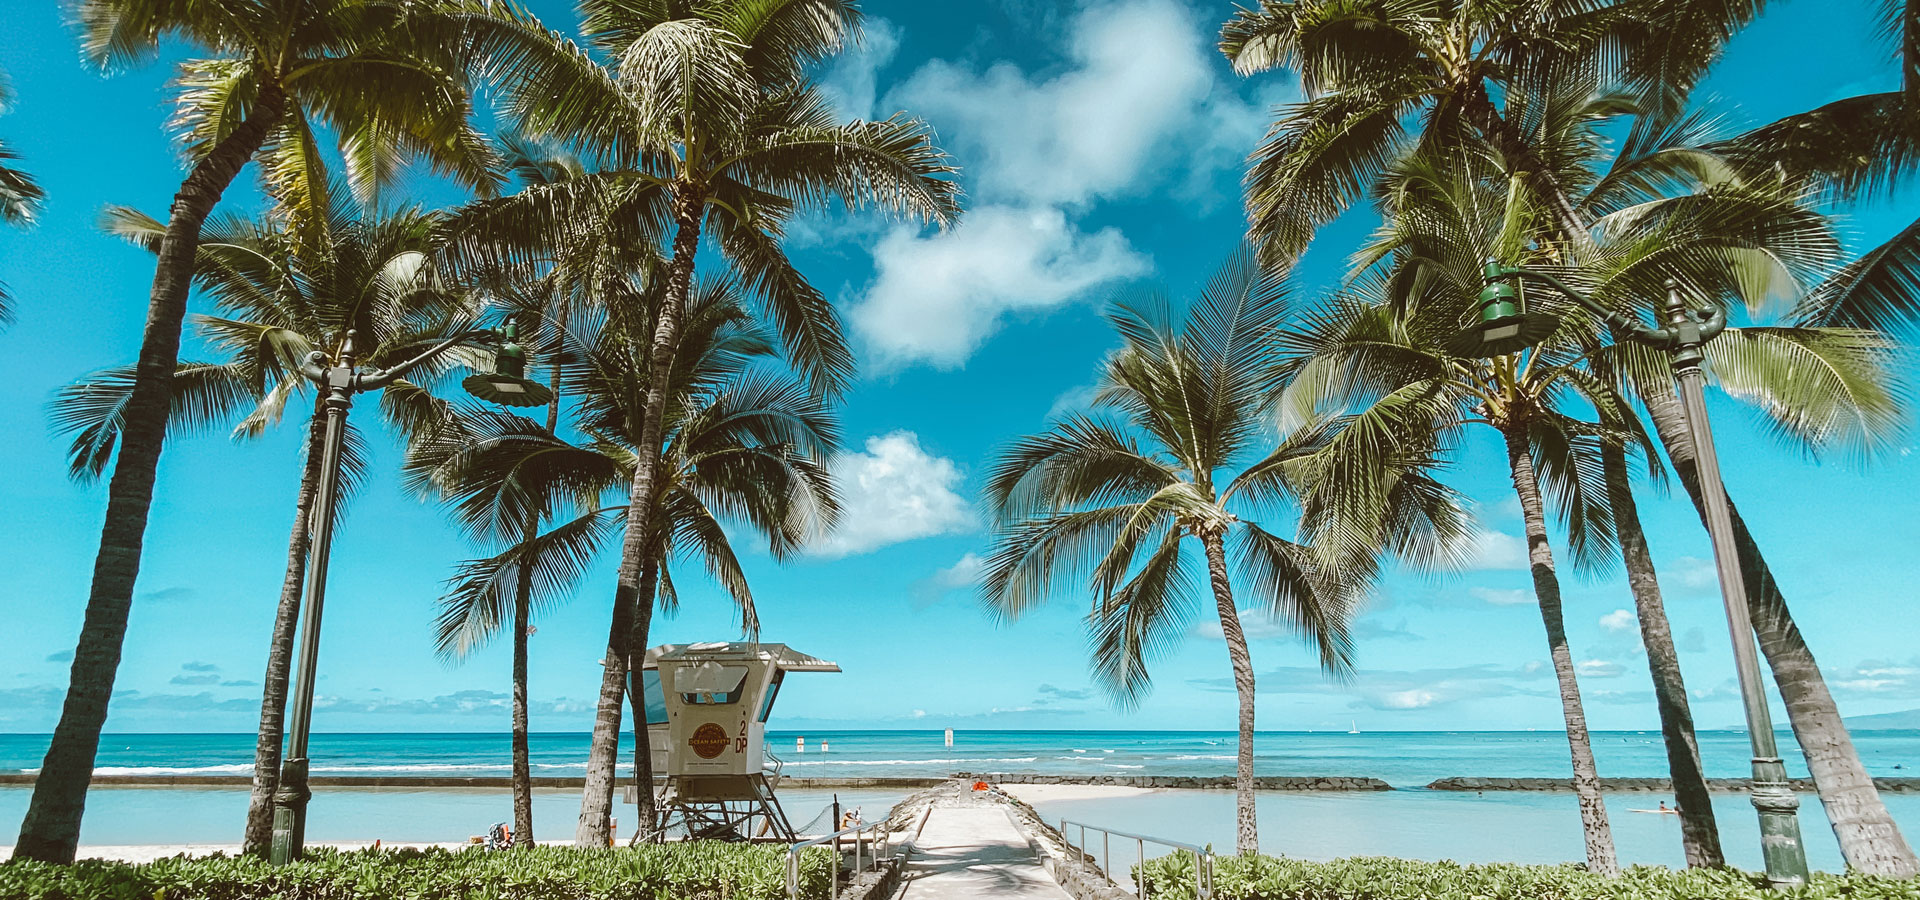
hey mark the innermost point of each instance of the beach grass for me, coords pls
(1387, 878)
(704, 870)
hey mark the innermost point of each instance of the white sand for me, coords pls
(1055, 793)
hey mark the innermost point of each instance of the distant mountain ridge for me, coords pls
(1906, 718)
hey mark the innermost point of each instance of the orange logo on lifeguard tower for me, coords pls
(709, 740)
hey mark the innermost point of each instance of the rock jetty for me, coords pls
(1642, 785)
(1190, 782)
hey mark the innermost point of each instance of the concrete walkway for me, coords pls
(968, 852)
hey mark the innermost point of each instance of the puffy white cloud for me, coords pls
(964, 573)
(1136, 72)
(1138, 105)
(852, 82)
(1620, 621)
(1502, 596)
(1416, 698)
(1495, 550)
(937, 297)
(894, 491)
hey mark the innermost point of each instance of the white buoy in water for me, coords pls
(949, 737)
(823, 745)
(799, 745)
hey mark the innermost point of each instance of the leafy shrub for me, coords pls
(690, 871)
(1383, 878)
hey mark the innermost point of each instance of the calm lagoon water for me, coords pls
(1407, 822)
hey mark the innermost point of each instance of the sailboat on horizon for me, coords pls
(1355, 729)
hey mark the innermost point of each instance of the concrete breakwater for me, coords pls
(1190, 782)
(1642, 785)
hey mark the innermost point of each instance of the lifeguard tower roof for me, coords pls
(782, 656)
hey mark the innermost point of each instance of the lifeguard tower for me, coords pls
(707, 707)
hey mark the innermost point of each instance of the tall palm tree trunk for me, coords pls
(597, 803)
(596, 799)
(522, 629)
(51, 829)
(1246, 828)
(1546, 586)
(522, 762)
(1699, 835)
(642, 745)
(1868, 837)
(258, 838)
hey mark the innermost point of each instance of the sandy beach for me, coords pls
(1036, 794)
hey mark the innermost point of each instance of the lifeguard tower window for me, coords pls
(656, 697)
(773, 690)
(711, 684)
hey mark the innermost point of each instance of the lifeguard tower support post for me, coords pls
(707, 707)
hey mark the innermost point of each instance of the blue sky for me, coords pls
(1102, 146)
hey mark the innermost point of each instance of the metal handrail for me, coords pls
(1202, 856)
(833, 882)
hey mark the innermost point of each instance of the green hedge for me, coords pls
(1381, 878)
(692, 871)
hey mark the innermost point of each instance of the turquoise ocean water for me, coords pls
(1408, 821)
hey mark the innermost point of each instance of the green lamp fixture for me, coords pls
(507, 384)
(1503, 327)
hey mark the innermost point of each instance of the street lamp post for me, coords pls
(1506, 328)
(339, 383)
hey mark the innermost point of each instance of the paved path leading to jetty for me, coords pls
(966, 852)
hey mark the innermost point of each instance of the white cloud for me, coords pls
(1502, 596)
(1695, 573)
(852, 82)
(1620, 621)
(892, 492)
(1139, 104)
(936, 298)
(1417, 698)
(964, 573)
(1402, 689)
(1136, 72)
(1075, 399)
(1495, 550)
(1598, 668)
(1255, 624)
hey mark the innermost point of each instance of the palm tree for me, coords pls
(1383, 78)
(1388, 342)
(1115, 497)
(1369, 69)
(741, 444)
(1855, 148)
(281, 293)
(20, 195)
(389, 79)
(706, 127)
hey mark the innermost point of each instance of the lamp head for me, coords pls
(507, 384)
(1503, 328)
